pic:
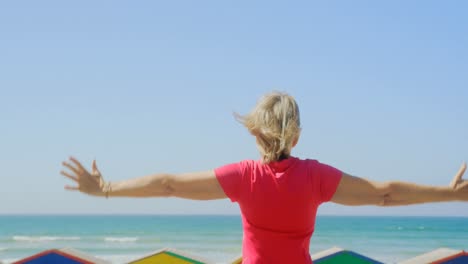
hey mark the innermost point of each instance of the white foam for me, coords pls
(121, 239)
(43, 238)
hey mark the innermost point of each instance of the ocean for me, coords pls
(121, 238)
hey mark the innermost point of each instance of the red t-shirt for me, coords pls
(278, 203)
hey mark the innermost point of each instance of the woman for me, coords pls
(278, 195)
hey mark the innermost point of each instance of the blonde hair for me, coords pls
(275, 123)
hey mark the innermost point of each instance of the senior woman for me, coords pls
(279, 194)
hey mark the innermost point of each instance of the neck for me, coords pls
(283, 156)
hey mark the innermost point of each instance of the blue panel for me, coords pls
(52, 258)
(459, 260)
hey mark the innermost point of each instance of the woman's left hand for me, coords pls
(89, 183)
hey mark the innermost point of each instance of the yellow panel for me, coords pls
(161, 258)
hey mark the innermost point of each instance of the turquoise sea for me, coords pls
(121, 238)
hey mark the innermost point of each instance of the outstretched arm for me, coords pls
(197, 186)
(359, 191)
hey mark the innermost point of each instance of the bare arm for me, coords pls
(197, 186)
(359, 191)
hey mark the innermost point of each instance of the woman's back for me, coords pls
(278, 202)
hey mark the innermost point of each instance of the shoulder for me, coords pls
(250, 164)
(309, 163)
(317, 168)
(240, 167)
(314, 163)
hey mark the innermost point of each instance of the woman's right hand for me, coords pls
(459, 185)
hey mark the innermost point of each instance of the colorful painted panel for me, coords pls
(345, 256)
(83, 256)
(52, 257)
(168, 256)
(461, 258)
(436, 256)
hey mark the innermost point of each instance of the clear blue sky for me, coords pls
(150, 86)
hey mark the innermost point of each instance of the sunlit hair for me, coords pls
(275, 123)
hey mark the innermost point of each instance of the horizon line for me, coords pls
(208, 214)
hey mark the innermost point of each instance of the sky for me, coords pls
(151, 86)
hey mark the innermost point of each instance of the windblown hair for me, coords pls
(275, 122)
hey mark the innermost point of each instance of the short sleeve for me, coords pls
(230, 179)
(329, 178)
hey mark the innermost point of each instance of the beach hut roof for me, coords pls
(337, 255)
(83, 255)
(432, 256)
(62, 256)
(326, 252)
(237, 260)
(170, 255)
(460, 258)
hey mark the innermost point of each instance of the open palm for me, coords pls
(89, 183)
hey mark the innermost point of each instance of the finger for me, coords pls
(71, 188)
(68, 165)
(69, 176)
(458, 177)
(95, 169)
(77, 163)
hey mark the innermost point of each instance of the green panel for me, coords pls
(344, 257)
